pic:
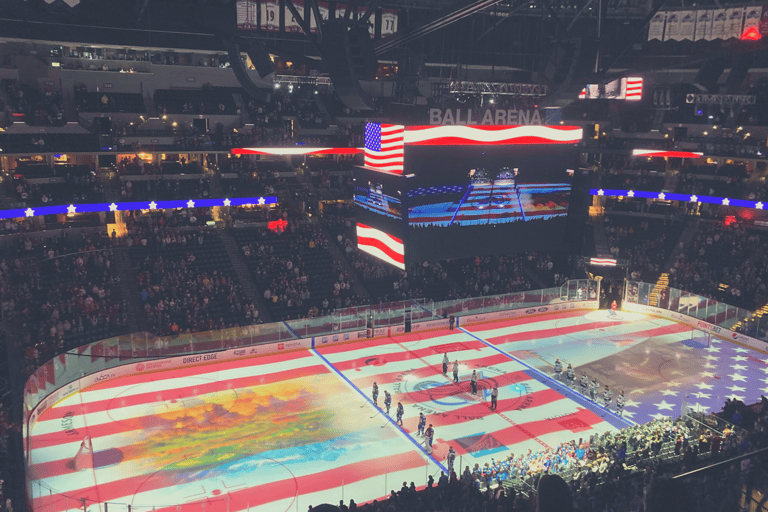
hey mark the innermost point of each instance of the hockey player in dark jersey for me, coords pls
(451, 458)
(445, 363)
(422, 423)
(584, 383)
(607, 397)
(400, 413)
(429, 435)
(620, 401)
(594, 387)
(387, 400)
(558, 368)
(570, 375)
(375, 394)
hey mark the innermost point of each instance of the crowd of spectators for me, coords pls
(645, 243)
(181, 295)
(74, 189)
(165, 189)
(610, 472)
(39, 108)
(295, 272)
(721, 263)
(64, 293)
(640, 180)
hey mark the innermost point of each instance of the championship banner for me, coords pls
(734, 24)
(340, 8)
(687, 25)
(672, 30)
(371, 21)
(291, 23)
(656, 27)
(752, 17)
(247, 14)
(718, 24)
(322, 8)
(388, 22)
(764, 21)
(703, 25)
(270, 16)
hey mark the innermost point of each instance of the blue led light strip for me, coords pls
(36, 211)
(669, 196)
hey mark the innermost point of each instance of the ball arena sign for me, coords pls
(468, 116)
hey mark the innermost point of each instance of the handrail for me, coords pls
(720, 464)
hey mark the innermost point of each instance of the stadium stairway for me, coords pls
(137, 320)
(601, 241)
(244, 278)
(685, 238)
(337, 256)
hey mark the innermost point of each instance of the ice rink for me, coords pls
(278, 433)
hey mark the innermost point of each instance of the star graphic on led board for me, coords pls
(29, 212)
(71, 208)
(113, 207)
(153, 205)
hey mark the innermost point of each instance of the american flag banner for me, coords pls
(450, 135)
(384, 147)
(381, 245)
(634, 88)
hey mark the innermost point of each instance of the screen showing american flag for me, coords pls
(384, 147)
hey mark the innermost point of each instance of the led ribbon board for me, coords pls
(669, 196)
(134, 205)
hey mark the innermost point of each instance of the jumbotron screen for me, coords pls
(379, 212)
(470, 190)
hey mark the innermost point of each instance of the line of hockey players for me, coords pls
(589, 389)
(428, 433)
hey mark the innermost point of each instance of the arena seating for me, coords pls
(724, 262)
(297, 270)
(647, 243)
(194, 101)
(109, 102)
(186, 285)
(164, 189)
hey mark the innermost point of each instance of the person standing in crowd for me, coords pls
(445, 363)
(429, 435)
(571, 376)
(375, 394)
(494, 396)
(387, 400)
(400, 413)
(451, 458)
(456, 371)
(593, 388)
(558, 368)
(620, 401)
(474, 382)
(422, 423)
(607, 397)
